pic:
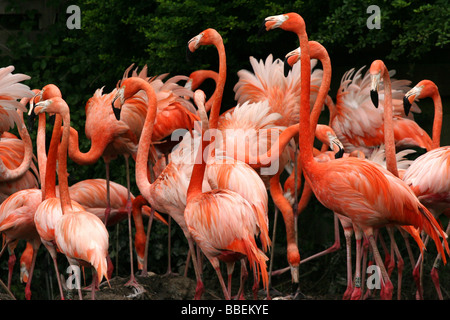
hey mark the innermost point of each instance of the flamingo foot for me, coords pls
(416, 276)
(199, 290)
(386, 291)
(356, 294)
(136, 285)
(27, 293)
(348, 293)
(296, 293)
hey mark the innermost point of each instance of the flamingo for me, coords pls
(222, 222)
(16, 223)
(91, 194)
(197, 77)
(317, 50)
(354, 187)
(428, 175)
(167, 192)
(359, 126)
(17, 170)
(49, 211)
(76, 225)
(237, 128)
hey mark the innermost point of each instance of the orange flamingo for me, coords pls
(17, 169)
(196, 78)
(317, 51)
(49, 211)
(167, 193)
(16, 223)
(353, 187)
(222, 222)
(428, 176)
(76, 225)
(250, 121)
(359, 126)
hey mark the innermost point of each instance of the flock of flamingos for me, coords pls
(220, 198)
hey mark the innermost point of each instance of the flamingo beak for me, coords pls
(374, 89)
(119, 95)
(262, 28)
(290, 59)
(409, 98)
(41, 106)
(193, 45)
(337, 147)
(406, 105)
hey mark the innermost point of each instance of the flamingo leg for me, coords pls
(336, 245)
(200, 287)
(348, 240)
(273, 248)
(11, 262)
(132, 282)
(357, 292)
(28, 286)
(400, 262)
(215, 264)
(435, 272)
(244, 275)
(386, 287)
(53, 254)
(108, 199)
(149, 227)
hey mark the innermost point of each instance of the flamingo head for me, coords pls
(290, 59)
(336, 145)
(425, 88)
(207, 37)
(128, 88)
(199, 99)
(376, 72)
(52, 106)
(289, 22)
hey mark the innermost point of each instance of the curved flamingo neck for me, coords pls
(145, 140)
(50, 171)
(305, 138)
(199, 77)
(437, 122)
(87, 158)
(215, 109)
(41, 152)
(319, 52)
(64, 195)
(11, 174)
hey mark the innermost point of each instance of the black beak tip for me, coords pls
(287, 67)
(262, 29)
(116, 111)
(406, 105)
(188, 54)
(374, 97)
(339, 154)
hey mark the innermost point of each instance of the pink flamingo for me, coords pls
(350, 186)
(428, 176)
(359, 126)
(196, 78)
(257, 118)
(80, 235)
(222, 222)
